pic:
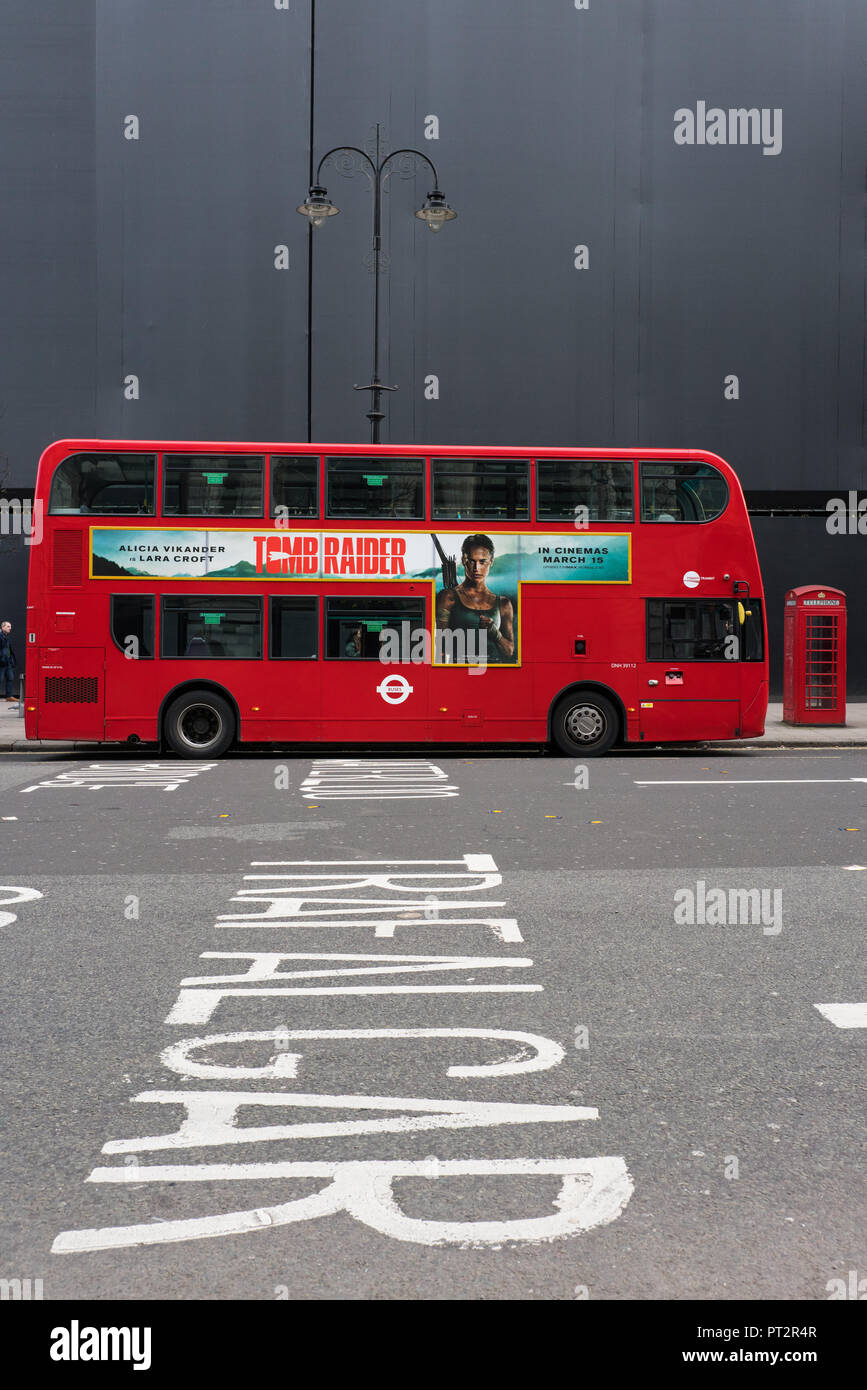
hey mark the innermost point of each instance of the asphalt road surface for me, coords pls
(578, 1055)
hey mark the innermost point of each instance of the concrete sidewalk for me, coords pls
(777, 734)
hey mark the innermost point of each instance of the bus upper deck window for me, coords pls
(375, 487)
(294, 486)
(213, 484)
(603, 486)
(481, 489)
(674, 491)
(104, 485)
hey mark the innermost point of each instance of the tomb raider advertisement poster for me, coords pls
(476, 576)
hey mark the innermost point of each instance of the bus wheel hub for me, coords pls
(200, 725)
(585, 723)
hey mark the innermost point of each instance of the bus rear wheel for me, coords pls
(199, 724)
(584, 723)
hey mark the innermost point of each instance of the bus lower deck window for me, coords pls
(354, 627)
(294, 629)
(132, 624)
(211, 626)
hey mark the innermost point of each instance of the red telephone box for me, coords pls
(814, 656)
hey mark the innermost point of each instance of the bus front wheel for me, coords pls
(584, 723)
(199, 724)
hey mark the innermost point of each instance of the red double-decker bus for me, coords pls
(202, 595)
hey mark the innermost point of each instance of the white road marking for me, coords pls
(474, 863)
(198, 1005)
(336, 779)
(265, 965)
(22, 895)
(211, 1117)
(749, 782)
(97, 776)
(338, 883)
(844, 1015)
(361, 907)
(593, 1192)
(282, 1064)
(503, 928)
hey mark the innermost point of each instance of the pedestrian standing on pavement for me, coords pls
(7, 663)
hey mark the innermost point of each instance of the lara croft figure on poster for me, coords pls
(473, 606)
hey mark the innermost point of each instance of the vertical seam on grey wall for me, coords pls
(310, 230)
(95, 207)
(863, 328)
(613, 434)
(646, 60)
(840, 196)
(122, 413)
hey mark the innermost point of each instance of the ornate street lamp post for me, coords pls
(435, 211)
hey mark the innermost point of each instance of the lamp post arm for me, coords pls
(378, 170)
(350, 149)
(418, 154)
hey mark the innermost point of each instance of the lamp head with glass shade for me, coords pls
(318, 206)
(436, 211)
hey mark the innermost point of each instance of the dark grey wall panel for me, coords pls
(741, 251)
(189, 214)
(47, 233)
(155, 257)
(536, 152)
(557, 128)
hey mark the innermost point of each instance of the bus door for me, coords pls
(691, 681)
(71, 693)
(364, 697)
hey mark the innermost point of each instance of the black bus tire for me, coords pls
(584, 724)
(199, 724)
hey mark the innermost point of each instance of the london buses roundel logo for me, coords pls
(691, 579)
(394, 689)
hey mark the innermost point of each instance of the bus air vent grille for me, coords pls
(67, 558)
(71, 690)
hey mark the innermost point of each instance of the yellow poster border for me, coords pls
(371, 579)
